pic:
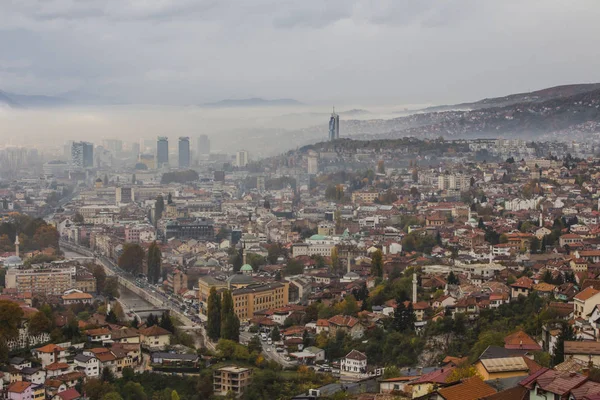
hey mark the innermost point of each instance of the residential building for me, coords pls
(162, 151)
(258, 297)
(231, 379)
(184, 152)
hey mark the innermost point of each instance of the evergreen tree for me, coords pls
(112, 317)
(377, 263)
(452, 279)
(133, 179)
(566, 334)
(154, 263)
(135, 323)
(169, 198)
(159, 207)
(213, 328)
(480, 224)
(230, 324)
(275, 335)
(105, 180)
(152, 320)
(166, 322)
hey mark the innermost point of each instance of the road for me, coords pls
(269, 351)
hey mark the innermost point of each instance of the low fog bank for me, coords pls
(263, 131)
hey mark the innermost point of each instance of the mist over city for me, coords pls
(299, 200)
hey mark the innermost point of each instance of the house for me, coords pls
(472, 388)
(34, 375)
(430, 381)
(522, 341)
(69, 394)
(20, 390)
(155, 337)
(99, 335)
(231, 379)
(355, 363)
(57, 368)
(75, 296)
(586, 351)
(319, 354)
(125, 335)
(88, 364)
(397, 384)
(551, 384)
(522, 287)
(50, 354)
(500, 368)
(585, 301)
(347, 324)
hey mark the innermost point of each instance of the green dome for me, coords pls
(318, 237)
(246, 267)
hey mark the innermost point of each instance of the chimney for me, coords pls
(414, 296)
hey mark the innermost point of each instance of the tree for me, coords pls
(10, 319)
(133, 391)
(377, 263)
(111, 287)
(174, 395)
(166, 322)
(159, 207)
(481, 224)
(118, 310)
(472, 182)
(335, 260)
(566, 334)
(404, 317)
(46, 236)
(95, 389)
(105, 180)
(452, 279)
(380, 167)
(39, 323)
(391, 371)
(112, 317)
(78, 218)
(132, 258)
(112, 396)
(254, 345)
(535, 245)
(213, 328)
(293, 267)
(100, 276)
(275, 335)
(230, 324)
(154, 262)
(152, 320)
(462, 372)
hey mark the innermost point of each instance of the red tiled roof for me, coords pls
(69, 394)
(469, 389)
(520, 340)
(586, 293)
(18, 387)
(343, 320)
(437, 376)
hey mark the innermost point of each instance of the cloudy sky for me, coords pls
(317, 51)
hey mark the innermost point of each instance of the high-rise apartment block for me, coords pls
(162, 151)
(184, 152)
(82, 155)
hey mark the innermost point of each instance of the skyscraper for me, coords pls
(334, 126)
(162, 151)
(242, 158)
(82, 155)
(203, 143)
(184, 152)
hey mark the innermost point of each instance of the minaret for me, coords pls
(491, 253)
(541, 220)
(244, 257)
(414, 297)
(17, 245)
(348, 268)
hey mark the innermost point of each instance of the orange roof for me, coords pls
(49, 348)
(98, 331)
(154, 330)
(586, 293)
(469, 389)
(56, 366)
(18, 387)
(520, 340)
(343, 320)
(77, 296)
(322, 322)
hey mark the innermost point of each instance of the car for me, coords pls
(268, 349)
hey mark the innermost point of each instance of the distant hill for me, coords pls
(15, 100)
(533, 97)
(253, 102)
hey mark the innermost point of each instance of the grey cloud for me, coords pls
(343, 51)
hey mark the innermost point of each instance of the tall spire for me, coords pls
(414, 282)
(17, 245)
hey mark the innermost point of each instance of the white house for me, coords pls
(50, 354)
(88, 364)
(355, 363)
